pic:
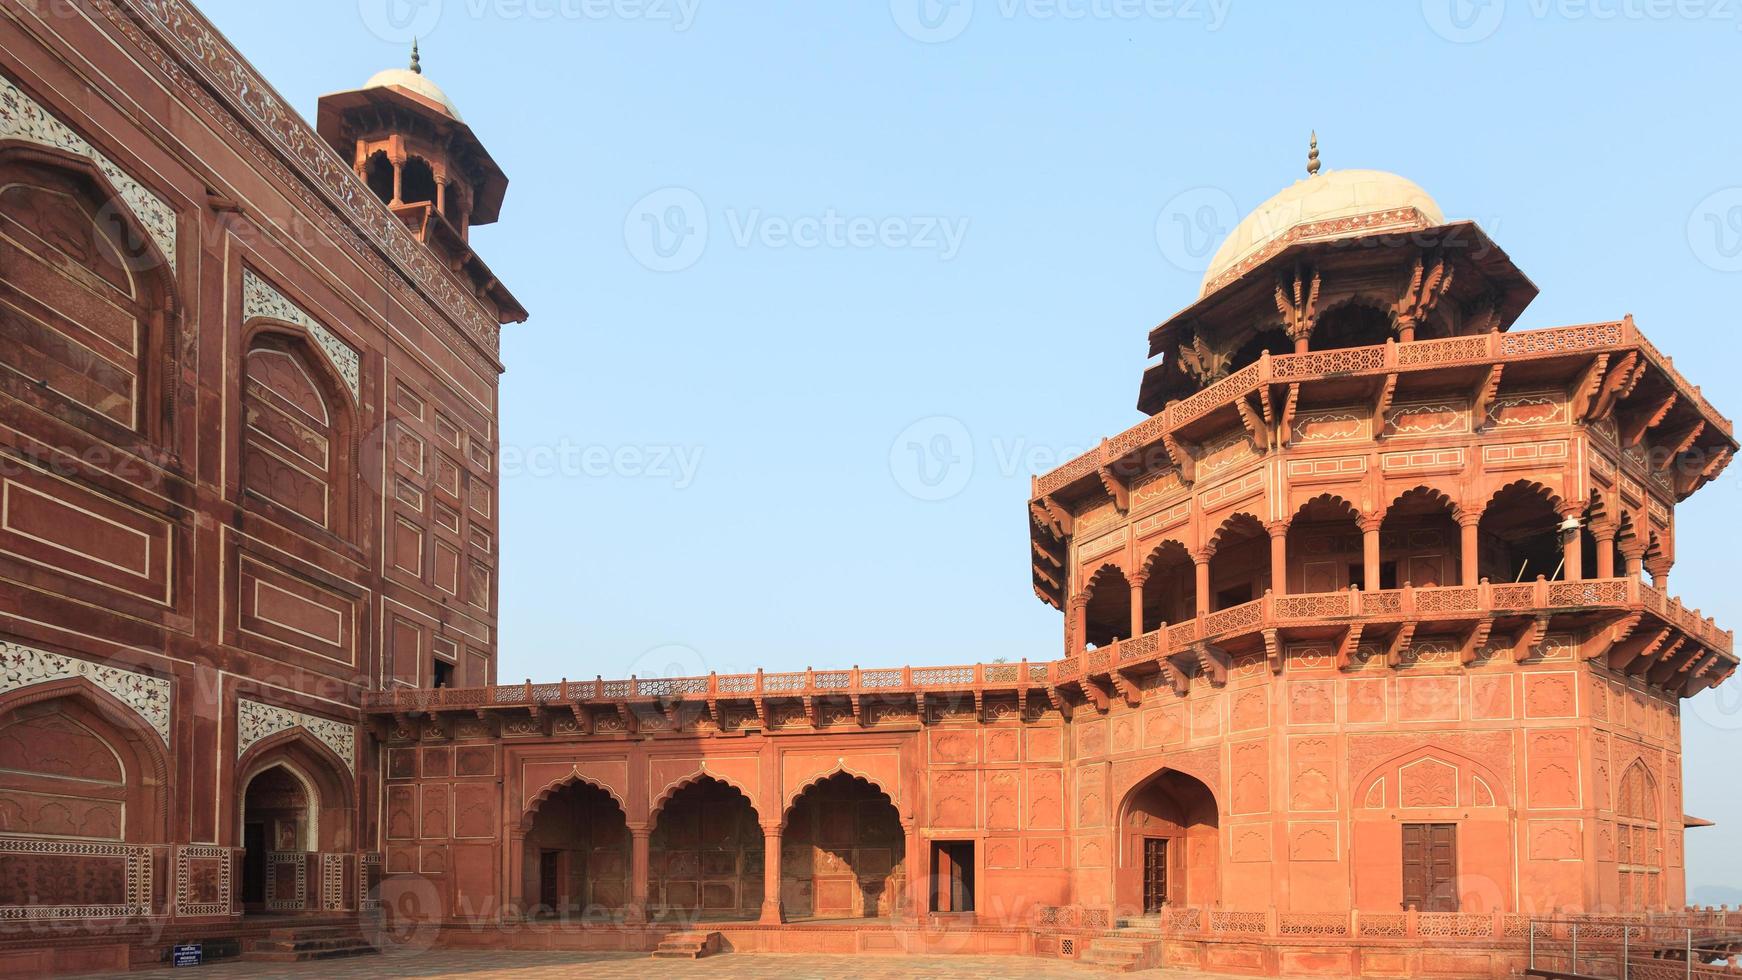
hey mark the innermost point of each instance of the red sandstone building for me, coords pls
(1369, 653)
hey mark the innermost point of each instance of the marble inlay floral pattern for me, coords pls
(260, 299)
(21, 118)
(22, 666)
(255, 721)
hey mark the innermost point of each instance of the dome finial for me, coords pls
(1313, 156)
(416, 65)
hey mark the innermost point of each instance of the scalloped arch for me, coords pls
(678, 785)
(1533, 487)
(1229, 522)
(1330, 498)
(839, 768)
(1439, 495)
(549, 789)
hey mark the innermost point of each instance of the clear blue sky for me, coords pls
(985, 182)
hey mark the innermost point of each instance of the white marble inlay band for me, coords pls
(23, 119)
(260, 299)
(22, 666)
(255, 721)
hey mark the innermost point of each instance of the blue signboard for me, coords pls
(189, 954)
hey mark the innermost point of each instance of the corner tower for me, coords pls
(1368, 532)
(408, 143)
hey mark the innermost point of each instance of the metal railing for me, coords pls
(1650, 947)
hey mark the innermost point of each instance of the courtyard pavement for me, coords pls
(530, 965)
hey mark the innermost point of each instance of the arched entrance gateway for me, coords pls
(296, 812)
(575, 861)
(1169, 833)
(705, 856)
(843, 853)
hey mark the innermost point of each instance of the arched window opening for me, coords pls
(1352, 325)
(1324, 547)
(378, 174)
(1170, 593)
(843, 854)
(706, 855)
(576, 862)
(1520, 536)
(1420, 543)
(296, 435)
(1240, 568)
(1168, 845)
(279, 824)
(416, 181)
(1639, 848)
(1108, 616)
(84, 301)
(1274, 341)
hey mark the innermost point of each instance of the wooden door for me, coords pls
(1154, 874)
(1430, 866)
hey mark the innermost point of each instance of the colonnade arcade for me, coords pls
(1424, 537)
(838, 850)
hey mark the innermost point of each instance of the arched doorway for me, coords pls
(1420, 542)
(280, 825)
(1324, 546)
(576, 855)
(1170, 593)
(296, 812)
(1168, 845)
(1240, 567)
(705, 855)
(1520, 535)
(843, 854)
(1107, 618)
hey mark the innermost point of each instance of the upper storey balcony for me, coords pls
(1344, 414)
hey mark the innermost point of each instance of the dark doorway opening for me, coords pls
(254, 865)
(952, 876)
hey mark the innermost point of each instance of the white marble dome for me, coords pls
(1313, 201)
(415, 82)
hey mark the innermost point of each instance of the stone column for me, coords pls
(635, 913)
(1201, 565)
(1137, 583)
(1633, 552)
(1370, 525)
(918, 871)
(1469, 528)
(1604, 534)
(1572, 553)
(1079, 628)
(1278, 557)
(1659, 569)
(773, 912)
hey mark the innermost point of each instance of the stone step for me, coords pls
(1118, 955)
(688, 945)
(295, 945)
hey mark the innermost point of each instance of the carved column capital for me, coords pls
(1279, 528)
